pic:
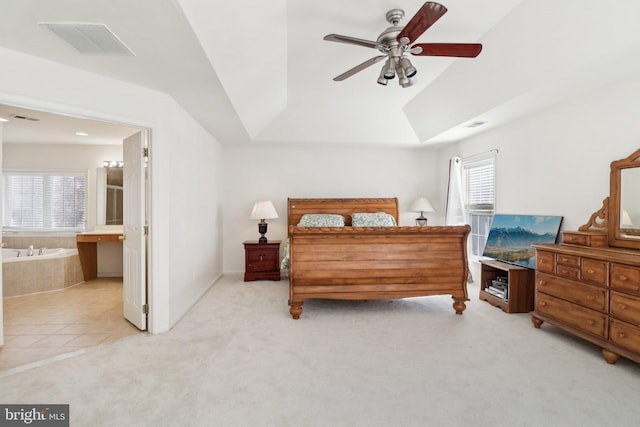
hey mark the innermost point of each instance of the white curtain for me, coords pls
(456, 213)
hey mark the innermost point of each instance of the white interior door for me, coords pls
(134, 256)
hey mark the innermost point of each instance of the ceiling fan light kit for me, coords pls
(396, 42)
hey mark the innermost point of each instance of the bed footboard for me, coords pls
(364, 263)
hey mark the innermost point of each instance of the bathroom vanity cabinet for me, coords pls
(88, 251)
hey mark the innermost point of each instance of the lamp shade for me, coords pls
(421, 205)
(263, 210)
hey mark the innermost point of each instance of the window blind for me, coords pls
(480, 185)
(45, 200)
(479, 188)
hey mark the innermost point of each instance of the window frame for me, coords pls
(479, 208)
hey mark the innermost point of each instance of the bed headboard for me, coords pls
(345, 207)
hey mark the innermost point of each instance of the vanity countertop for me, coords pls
(101, 232)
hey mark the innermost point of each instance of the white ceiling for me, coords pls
(252, 71)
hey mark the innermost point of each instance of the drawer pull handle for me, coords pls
(622, 306)
(261, 256)
(591, 322)
(543, 304)
(542, 283)
(622, 277)
(621, 335)
(591, 297)
(590, 271)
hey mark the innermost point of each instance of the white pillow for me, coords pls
(321, 220)
(378, 219)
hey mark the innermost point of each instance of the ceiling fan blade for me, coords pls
(428, 14)
(460, 50)
(359, 68)
(350, 40)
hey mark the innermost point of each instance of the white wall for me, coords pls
(1, 207)
(253, 173)
(557, 162)
(176, 141)
(195, 213)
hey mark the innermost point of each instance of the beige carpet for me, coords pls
(238, 359)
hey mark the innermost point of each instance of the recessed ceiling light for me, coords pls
(82, 134)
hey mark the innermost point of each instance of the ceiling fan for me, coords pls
(396, 41)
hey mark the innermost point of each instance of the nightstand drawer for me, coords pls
(256, 266)
(262, 257)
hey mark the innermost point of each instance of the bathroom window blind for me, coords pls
(45, 200)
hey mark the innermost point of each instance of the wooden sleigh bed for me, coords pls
(367, 263)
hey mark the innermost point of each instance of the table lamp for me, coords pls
(421, 205)
(263, 210)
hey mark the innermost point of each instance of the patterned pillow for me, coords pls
(378, 219)
(321, 220)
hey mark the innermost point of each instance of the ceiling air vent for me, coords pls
(475, 124)
(89, 38)
(17, 116)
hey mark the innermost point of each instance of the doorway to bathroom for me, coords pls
(87, 151)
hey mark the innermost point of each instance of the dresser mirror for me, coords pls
(624, 203)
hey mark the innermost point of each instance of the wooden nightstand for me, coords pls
(261, 260)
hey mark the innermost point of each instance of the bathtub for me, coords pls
(54, 269)
(19, 255)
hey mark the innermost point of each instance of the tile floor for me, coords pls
(41, 326)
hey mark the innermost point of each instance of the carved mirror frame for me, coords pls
(622, 235)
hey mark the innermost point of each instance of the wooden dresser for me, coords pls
(589, 285)
(593, 293)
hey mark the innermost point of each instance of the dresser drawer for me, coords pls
(546, 261)
(625, 307)
(568, 272)
(625, 335)
(588, 296)
(570, 260)
(589, 321)
(625, 278)
(594, 271)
